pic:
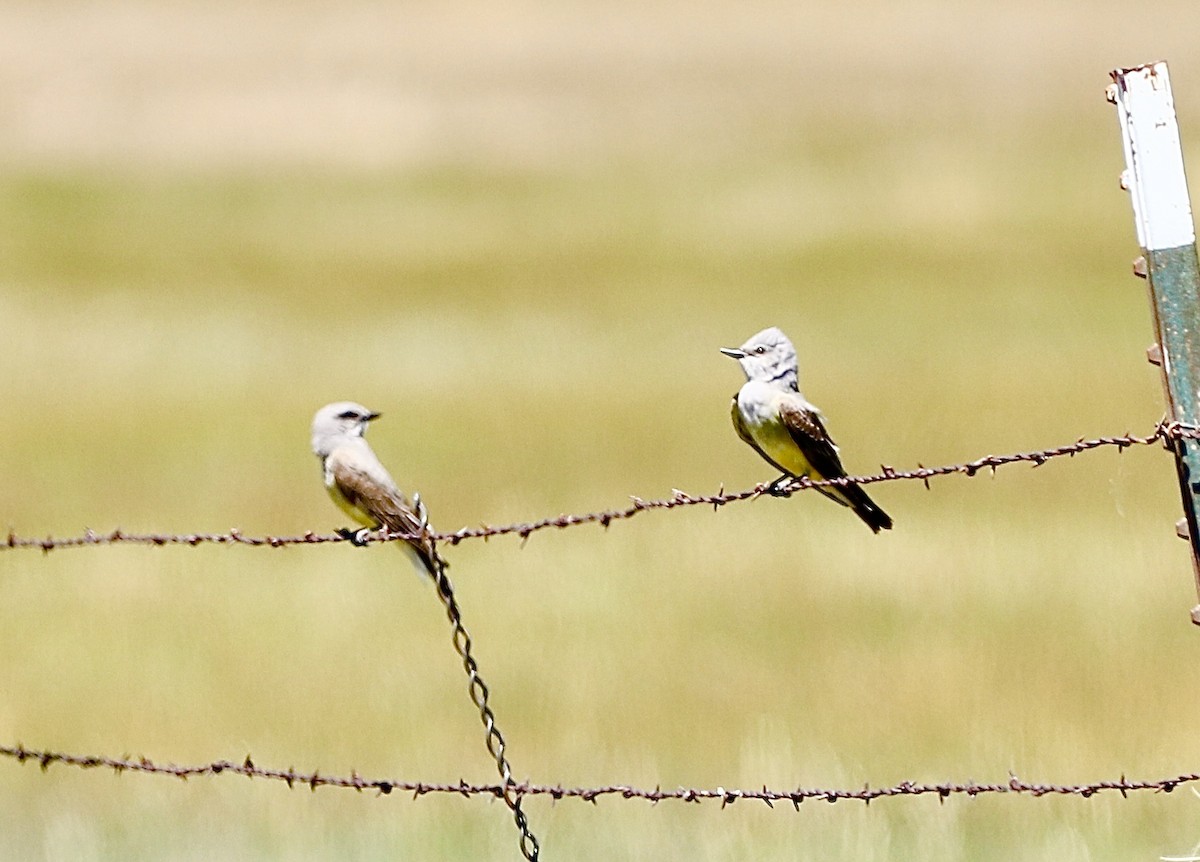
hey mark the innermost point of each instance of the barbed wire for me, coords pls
(1165, 432)
(511, 792)
(354, 781)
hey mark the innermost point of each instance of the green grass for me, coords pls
(541, 336)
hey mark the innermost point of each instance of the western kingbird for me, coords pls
(359, 483)
(771, 415)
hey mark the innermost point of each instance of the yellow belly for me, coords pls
(356, 514)
(775, 440)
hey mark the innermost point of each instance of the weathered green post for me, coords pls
(1162, 211)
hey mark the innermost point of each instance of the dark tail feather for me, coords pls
(863, 506)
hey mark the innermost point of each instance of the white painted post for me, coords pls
(1162, 212)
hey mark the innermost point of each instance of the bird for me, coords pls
(361, 486)
(771, 415)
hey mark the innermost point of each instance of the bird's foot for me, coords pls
(358, 538)
(778, 487)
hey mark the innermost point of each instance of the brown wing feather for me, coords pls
(387, 505)
(807, 429)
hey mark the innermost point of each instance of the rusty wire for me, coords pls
(479, 692)
(1165, 432)
(1169, 433)
(384, 787)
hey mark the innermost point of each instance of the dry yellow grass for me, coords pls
(522, 234)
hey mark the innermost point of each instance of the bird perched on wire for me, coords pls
(362, 487)
(771, 415)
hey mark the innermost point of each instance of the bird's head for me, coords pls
(335, 422)
(768, 356)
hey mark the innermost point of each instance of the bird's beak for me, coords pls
(371, 416)
(734, 352)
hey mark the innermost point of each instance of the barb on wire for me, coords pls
(313, 780)
(1168, 433)
(478, 690)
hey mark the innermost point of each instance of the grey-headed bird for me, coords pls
(359, 484)
(771, 415)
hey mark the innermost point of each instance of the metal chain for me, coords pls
(478, 690)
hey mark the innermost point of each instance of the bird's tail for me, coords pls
(419, 543)
(861, 504)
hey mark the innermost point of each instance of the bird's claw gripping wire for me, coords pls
(778, 488)
(358, 538)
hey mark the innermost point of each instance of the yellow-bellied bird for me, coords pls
(771, 415)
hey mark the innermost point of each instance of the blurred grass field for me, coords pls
(522, 234)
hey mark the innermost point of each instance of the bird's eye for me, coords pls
(760, 350)
(347, 414)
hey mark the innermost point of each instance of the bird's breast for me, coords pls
(758, 405)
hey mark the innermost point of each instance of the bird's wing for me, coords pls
(804, 425)
(803, 422)
(365, 484)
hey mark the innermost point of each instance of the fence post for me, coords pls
(1162, 212)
